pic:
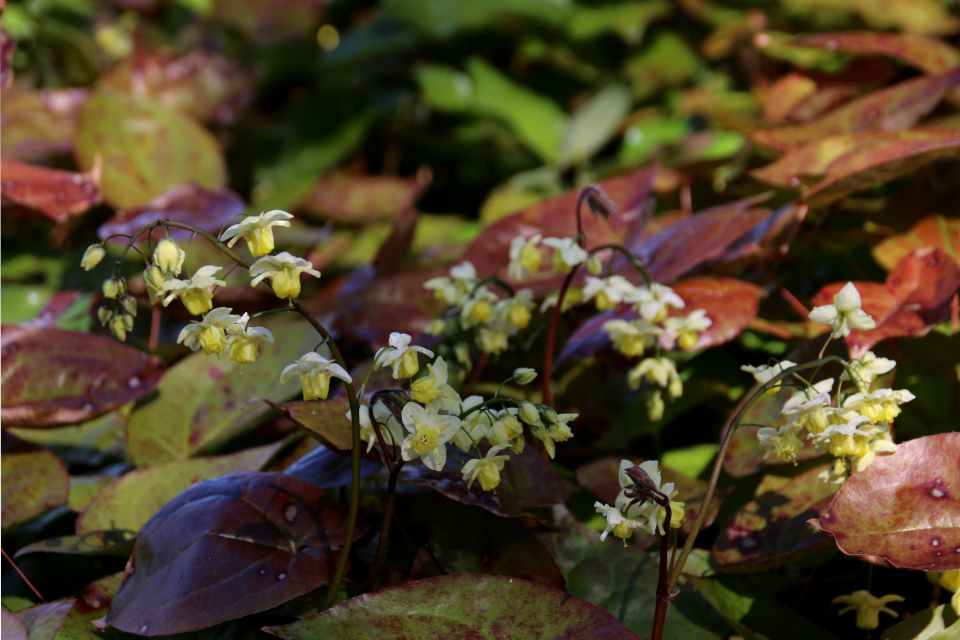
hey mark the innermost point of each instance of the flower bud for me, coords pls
(524, 375)
(529, 413)
(129, 304)
(104, 313)
(127, 321)
(118, 328)
(113, 288)
(153, 278)
(169, 256)
(92, 256)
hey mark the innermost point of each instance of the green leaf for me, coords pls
(690, 460)
(131, 501)
(97, 543)
(444, 88)
(629, 20)
(755, 615)
(462, 605)
(145, 148)
(668, 61)
(33, 481)
(199, 404)
(594, 124)
(941, 623)
(442, 19)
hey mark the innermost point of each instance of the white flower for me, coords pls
(621, 525)
(844, 314)
(434, 387)
(631, 338)
(284, 272)
(659, 371)
(476, 307)
(554, 430)
(487, 469)
(783, 441)
(648, 508)
(524, 375)
(194, 292)
(315, 372)
(764, 374)
(688, 328)
(244, 341)
(652, 301)
(516, 311)
(525, 257)
(210, 332)
(609, 292)
(883, 405)
(257, 231)
(401, 356)
(870, 366)
(475, 425)
(568, 254)
(508, 430)
(452, 290)
(429, 433)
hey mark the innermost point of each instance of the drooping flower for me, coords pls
(154, 281)
(428, 434)
(475, 425)
(525, 257)
(434, 389)
(524, 375)
(765, 373)
(609, 292)
(654, 513)
(244, 341)
(92, 256)
(477, 307)
(621, 525)
(783, 441)
(210, 332)
(284, 272)
(486, 469)
(688, 328)
(882, 444)
(882, 405)
(315, 372)
(632, 338)
(554, 428)
(463, 277)
(568, 254)
(507, 429)
(257, 231)
(844, 314)
(573, 297)
(811, 408)
(949, 580)
(652, 301)
(194, 292)
(847, 438)
(868, 607)
(516, 311)
(401, 356)
(659, 371)
(493, 338)
(390, 429)
(169, 256)
(869, 367)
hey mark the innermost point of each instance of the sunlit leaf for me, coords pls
(933, 231)
(446, 607)
(903, 510)
(440, 19)
(594, 124)
(628, 19)
(227, 548)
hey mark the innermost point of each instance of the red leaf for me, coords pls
(894, 108)
(904, 509)
(360, 199)
(57, 194)
(933, 230)
(227, 548)
(54, 377)
(928, 54)
(40, 123)
(204, 208)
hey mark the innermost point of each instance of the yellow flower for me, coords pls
(429, 433)
(476, 308)
(507, 430)
(525, 257)
(434, 387)
(401, 356)
(194, 293)
(515, 311)
(868, 607)
(451, 290)
(811, 408)
(244, 341)
(631, 338)
(284, 272)
(486, 469)
(169, 256)
(554, 430)
(257, 231)
(655, 406)
(567, 253)
(492, 340)
(688, 328)
(848, 438)
(950, 580)
(154, 281)
(114, 288)
(609, 292)
(92, 256)
(210, 332)
(315, 372)
(883, 405)
(783, 441)
(659, 371)
(621, 525)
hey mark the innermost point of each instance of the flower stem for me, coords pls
(374, 578)
(663, 582)
(552, 339)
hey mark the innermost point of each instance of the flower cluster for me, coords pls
(438, 416)
(636, 507)
(219, 330)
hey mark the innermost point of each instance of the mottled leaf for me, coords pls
(754, 614)
(933, 230)
(130, 501)
(34, 481)
(145, 148)
(360, 199)
(204, 208)
(463, 605)
(54, 193)
(91, 605)
(202, 83)
(12, 628)
(465, 539)
(200, 402)
(896, 107)
(97, 543)
(227, 548)
(904, 509)
(773, 529)
(928, 54)
(53, 377)
(43, 621)
(326, 418)
(35, 124)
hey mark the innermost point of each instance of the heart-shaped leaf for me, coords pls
(54, 193)
(904, 509)
(200, 402)
(34, 481)
(446, 607)
(773, 528)
(204, 208)
(897, 107)
(145, 148)
(227, 548)
(129, 502)
(465, 539)
(53, 377)
(40, 123)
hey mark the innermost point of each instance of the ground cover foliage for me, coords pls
(625, 201)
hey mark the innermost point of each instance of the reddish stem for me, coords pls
(552, 339)
(476, 373)
(20, 573)
(663, 582)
